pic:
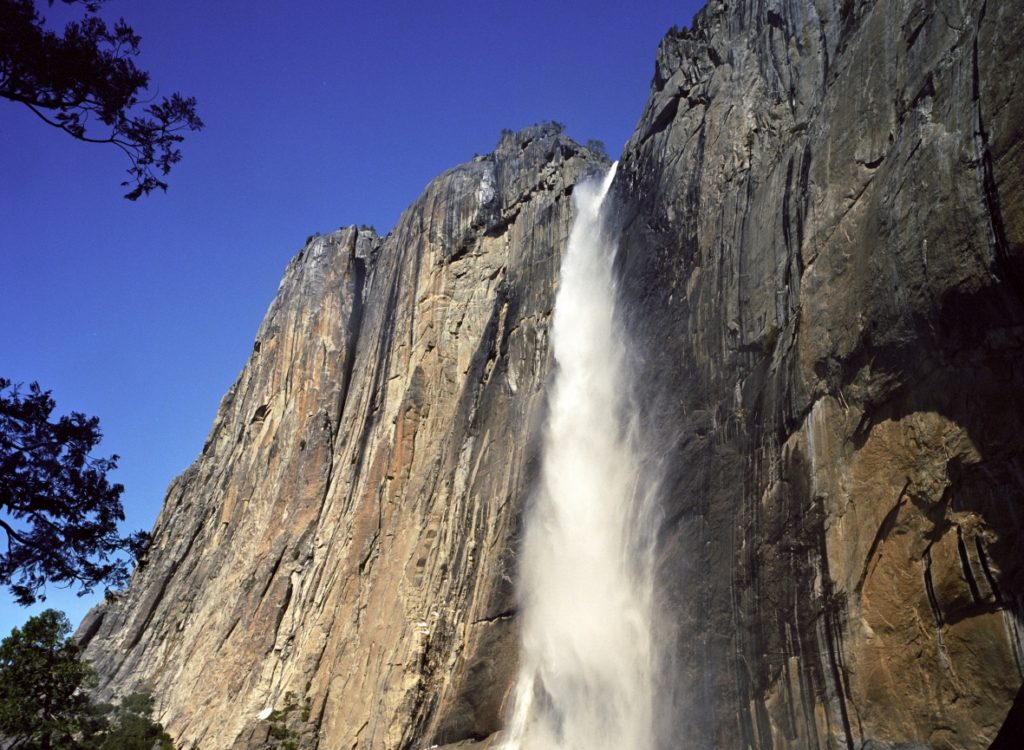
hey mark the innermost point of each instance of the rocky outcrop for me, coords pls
(822, 225)
(821, 217)
(336, 567)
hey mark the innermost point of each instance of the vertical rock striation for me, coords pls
(822, 225)
(821, 219)
(341, 552)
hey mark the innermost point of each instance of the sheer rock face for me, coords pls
(822, 226)
(342, 550)
(821, 216)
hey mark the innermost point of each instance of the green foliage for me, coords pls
(42, 679)
(597, 147)
(85, 82)
(43, 700)
(278, 730)
(57, 509)
(133, 728)
(281, 733)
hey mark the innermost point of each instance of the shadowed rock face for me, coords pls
(821, 216)
(822, 225)
(347, 535)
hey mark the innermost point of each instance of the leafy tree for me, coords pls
(43, 705)
(85, 82)
(57, 508)
(133, 727)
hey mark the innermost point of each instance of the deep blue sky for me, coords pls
(318, 115)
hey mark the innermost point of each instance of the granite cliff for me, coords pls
(822, 206)
(820, 220)
(344, 545)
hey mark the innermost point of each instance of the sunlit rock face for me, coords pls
(344, 546)
(822, 215)
(819, 222)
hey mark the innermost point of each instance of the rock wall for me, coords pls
(341, 552)
(822, 225)
(821, 217)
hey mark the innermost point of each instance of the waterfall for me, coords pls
(585, 680)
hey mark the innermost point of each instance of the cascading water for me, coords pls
(586, 679)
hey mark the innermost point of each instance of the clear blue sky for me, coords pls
(318, 115)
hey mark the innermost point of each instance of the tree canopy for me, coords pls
(132, 726)
(58, 510)
(42, 683)
(44, 703)
(85, 82)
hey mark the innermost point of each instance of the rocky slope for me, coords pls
(821, 217)
(341, 550)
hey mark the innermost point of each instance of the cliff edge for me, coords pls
(338, 562)
(822, 216)
(821, 256)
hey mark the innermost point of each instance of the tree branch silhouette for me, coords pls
(85, 83)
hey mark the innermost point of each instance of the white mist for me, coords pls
(585, 679)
